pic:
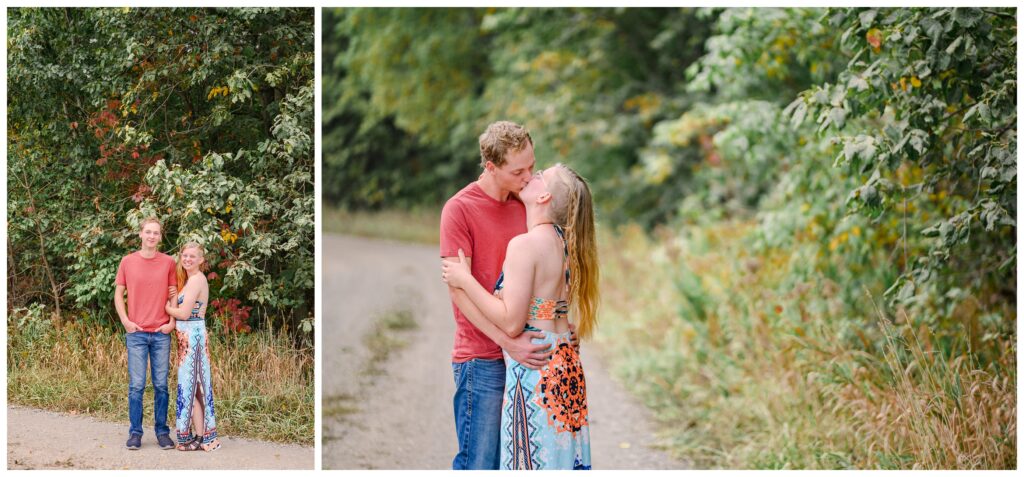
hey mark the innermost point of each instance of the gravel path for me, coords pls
(401, 418)
(38, 439)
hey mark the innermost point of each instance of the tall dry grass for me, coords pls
(753, 359)
(263, 386)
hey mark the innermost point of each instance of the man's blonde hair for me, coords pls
(151, 220)
(500, 139)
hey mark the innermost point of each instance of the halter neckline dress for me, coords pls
(544, 422)
(194, 375)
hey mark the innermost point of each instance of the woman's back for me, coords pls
(545, 248)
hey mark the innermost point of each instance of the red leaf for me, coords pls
(874, 37)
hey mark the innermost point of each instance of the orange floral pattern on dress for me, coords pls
(182, 346)
(544, 309)
(562, 390)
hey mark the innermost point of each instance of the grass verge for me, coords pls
(758, 359)
(263, 387)
(406, 226)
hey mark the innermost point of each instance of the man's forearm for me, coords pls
(119, 306)
(473, 314)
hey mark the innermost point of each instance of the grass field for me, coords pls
(263, 386)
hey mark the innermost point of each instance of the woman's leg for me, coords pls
(210, 442)
(198, 427)
(186, 391)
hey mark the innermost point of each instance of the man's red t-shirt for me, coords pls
(482, 227)
(147, 280)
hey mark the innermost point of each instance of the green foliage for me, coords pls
(870, 155)
(926, 107)
(202, 117)
(408, 91)
(765, 53)
(873, 181)
(368, 161)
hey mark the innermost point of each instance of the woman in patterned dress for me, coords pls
(196, 423)
(548, 272)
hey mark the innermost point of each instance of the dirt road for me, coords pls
(400, 416)
(38, 439)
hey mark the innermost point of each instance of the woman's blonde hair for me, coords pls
(179, 271)
(572, 208)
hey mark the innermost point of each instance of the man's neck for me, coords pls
(147, 252)
(491, 188)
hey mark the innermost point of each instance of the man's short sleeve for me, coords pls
(455, 231)
(121, 279)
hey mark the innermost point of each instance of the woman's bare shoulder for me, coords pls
(524, 243)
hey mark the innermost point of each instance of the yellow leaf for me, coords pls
(914, 81)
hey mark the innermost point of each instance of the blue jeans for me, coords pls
(154, 348)
(479, 388)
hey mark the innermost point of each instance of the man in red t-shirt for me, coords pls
(149, 278)
(481, 219)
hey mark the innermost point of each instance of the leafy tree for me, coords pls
(203, 117)
(881, 159)
(926, 115)
(370, 162)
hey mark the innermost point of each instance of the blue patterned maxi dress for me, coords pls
(194, 376)
(544, 421)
